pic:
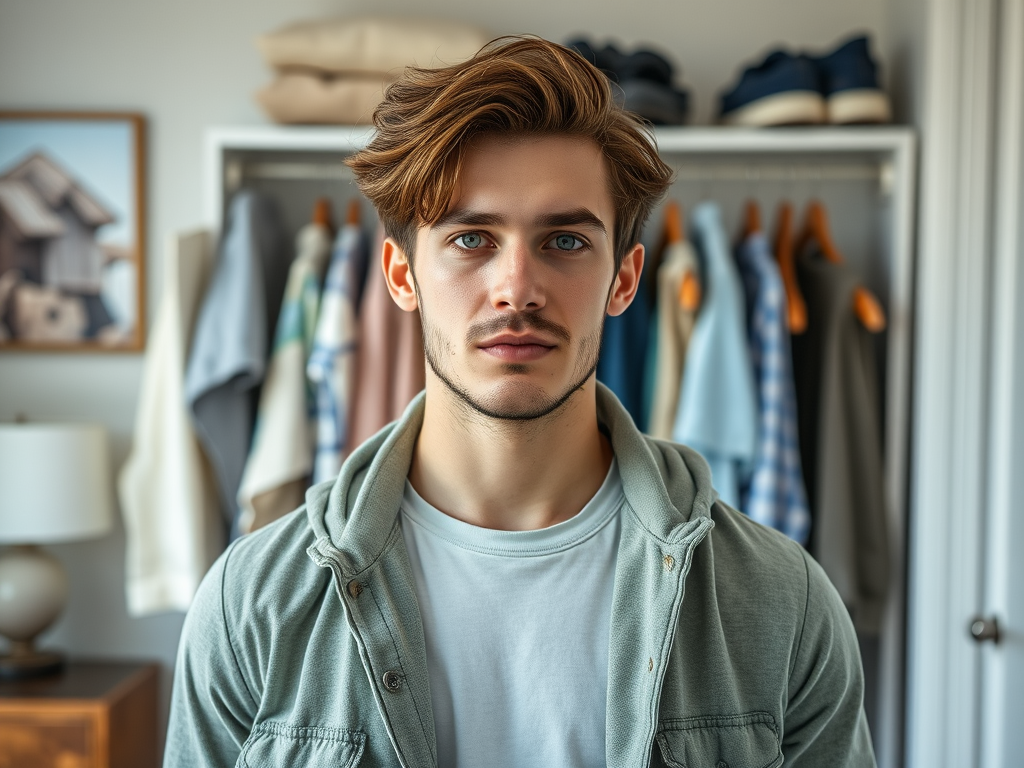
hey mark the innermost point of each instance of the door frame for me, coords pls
(996, 740)
(950, 431)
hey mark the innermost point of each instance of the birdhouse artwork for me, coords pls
(65, 281)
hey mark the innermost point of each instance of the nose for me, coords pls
(517, 283)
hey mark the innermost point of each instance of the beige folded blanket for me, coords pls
(302, 97)
(370, 44)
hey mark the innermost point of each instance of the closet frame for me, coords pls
(702, 156)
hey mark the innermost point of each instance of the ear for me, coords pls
(399, 277)
(627, 281)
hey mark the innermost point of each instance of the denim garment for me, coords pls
(305, 643)
(717, 411)
(624, 354)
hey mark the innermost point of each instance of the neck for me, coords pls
(509, 475)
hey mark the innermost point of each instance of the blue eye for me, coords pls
(567, 243)
(469, 241)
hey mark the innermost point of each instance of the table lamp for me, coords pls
(54, 487)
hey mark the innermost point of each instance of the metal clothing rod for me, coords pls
(778, 172)
(236, 172)
(328, 171)
(750, 173)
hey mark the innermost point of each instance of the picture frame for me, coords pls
(72, 231)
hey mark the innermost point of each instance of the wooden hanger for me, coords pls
(675, 232)
(866, 307)
(796, 307)
(323, 214)
(751, 219)
(354, 213)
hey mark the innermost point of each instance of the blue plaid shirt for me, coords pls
(775, 494)
(331, 366)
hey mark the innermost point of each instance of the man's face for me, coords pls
(513, 283)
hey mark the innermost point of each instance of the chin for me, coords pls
(517, 400)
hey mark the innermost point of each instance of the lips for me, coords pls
(516, 348)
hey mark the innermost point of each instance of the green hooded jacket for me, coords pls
(728, 645)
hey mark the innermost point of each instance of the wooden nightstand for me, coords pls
(93, 715)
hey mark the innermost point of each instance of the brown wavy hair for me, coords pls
(514, 86)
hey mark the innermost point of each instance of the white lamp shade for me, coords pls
(54, 483)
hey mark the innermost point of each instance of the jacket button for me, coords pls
(669, 562)
(355, 588)
(392, 681)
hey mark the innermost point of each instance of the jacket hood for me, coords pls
(667, 486)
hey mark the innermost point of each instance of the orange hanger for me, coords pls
(675, 232)
(796, 308)
(322, 214)
(354, 212)
(865, 305)
(751, 219)
(655, 255)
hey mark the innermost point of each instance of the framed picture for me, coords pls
(72, 231)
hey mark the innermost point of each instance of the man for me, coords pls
(512, 575)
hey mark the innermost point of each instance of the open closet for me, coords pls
(861, 179)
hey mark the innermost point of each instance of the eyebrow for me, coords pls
(571, 218)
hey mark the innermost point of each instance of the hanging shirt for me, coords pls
(232, 337)
(173, 526)
(623, 353)
(331, 365)
(840, 417)
(516, 625)
(717, 410)
(774, 495)
(280, 462)
(675, 326)
(391, 367)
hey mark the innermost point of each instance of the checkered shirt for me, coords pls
(775, 494)
(331, 366)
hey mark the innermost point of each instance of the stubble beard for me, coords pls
(526, 401)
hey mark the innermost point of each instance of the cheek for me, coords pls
(584, 296)
(450, 295)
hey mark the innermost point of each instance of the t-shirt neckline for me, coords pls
(597, 512)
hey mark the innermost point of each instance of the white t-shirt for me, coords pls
(516, 626)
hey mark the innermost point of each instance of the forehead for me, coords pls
(532, 175)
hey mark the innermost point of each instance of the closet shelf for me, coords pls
(826, 139)
(234, 153)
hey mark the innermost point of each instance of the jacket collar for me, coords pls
(666, 485)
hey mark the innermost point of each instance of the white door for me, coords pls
(965, 698)
(999, 625)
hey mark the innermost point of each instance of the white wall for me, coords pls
(188, 65)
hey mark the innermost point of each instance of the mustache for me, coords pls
(516, 323)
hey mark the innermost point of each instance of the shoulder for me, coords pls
(767, 579)
(264, 579)
(763, 551)
(271, 564)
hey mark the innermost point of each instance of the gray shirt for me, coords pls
(231, 341)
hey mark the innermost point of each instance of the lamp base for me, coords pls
(29, 665)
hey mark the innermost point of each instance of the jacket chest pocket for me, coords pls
(737, 741)
(276, 745)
